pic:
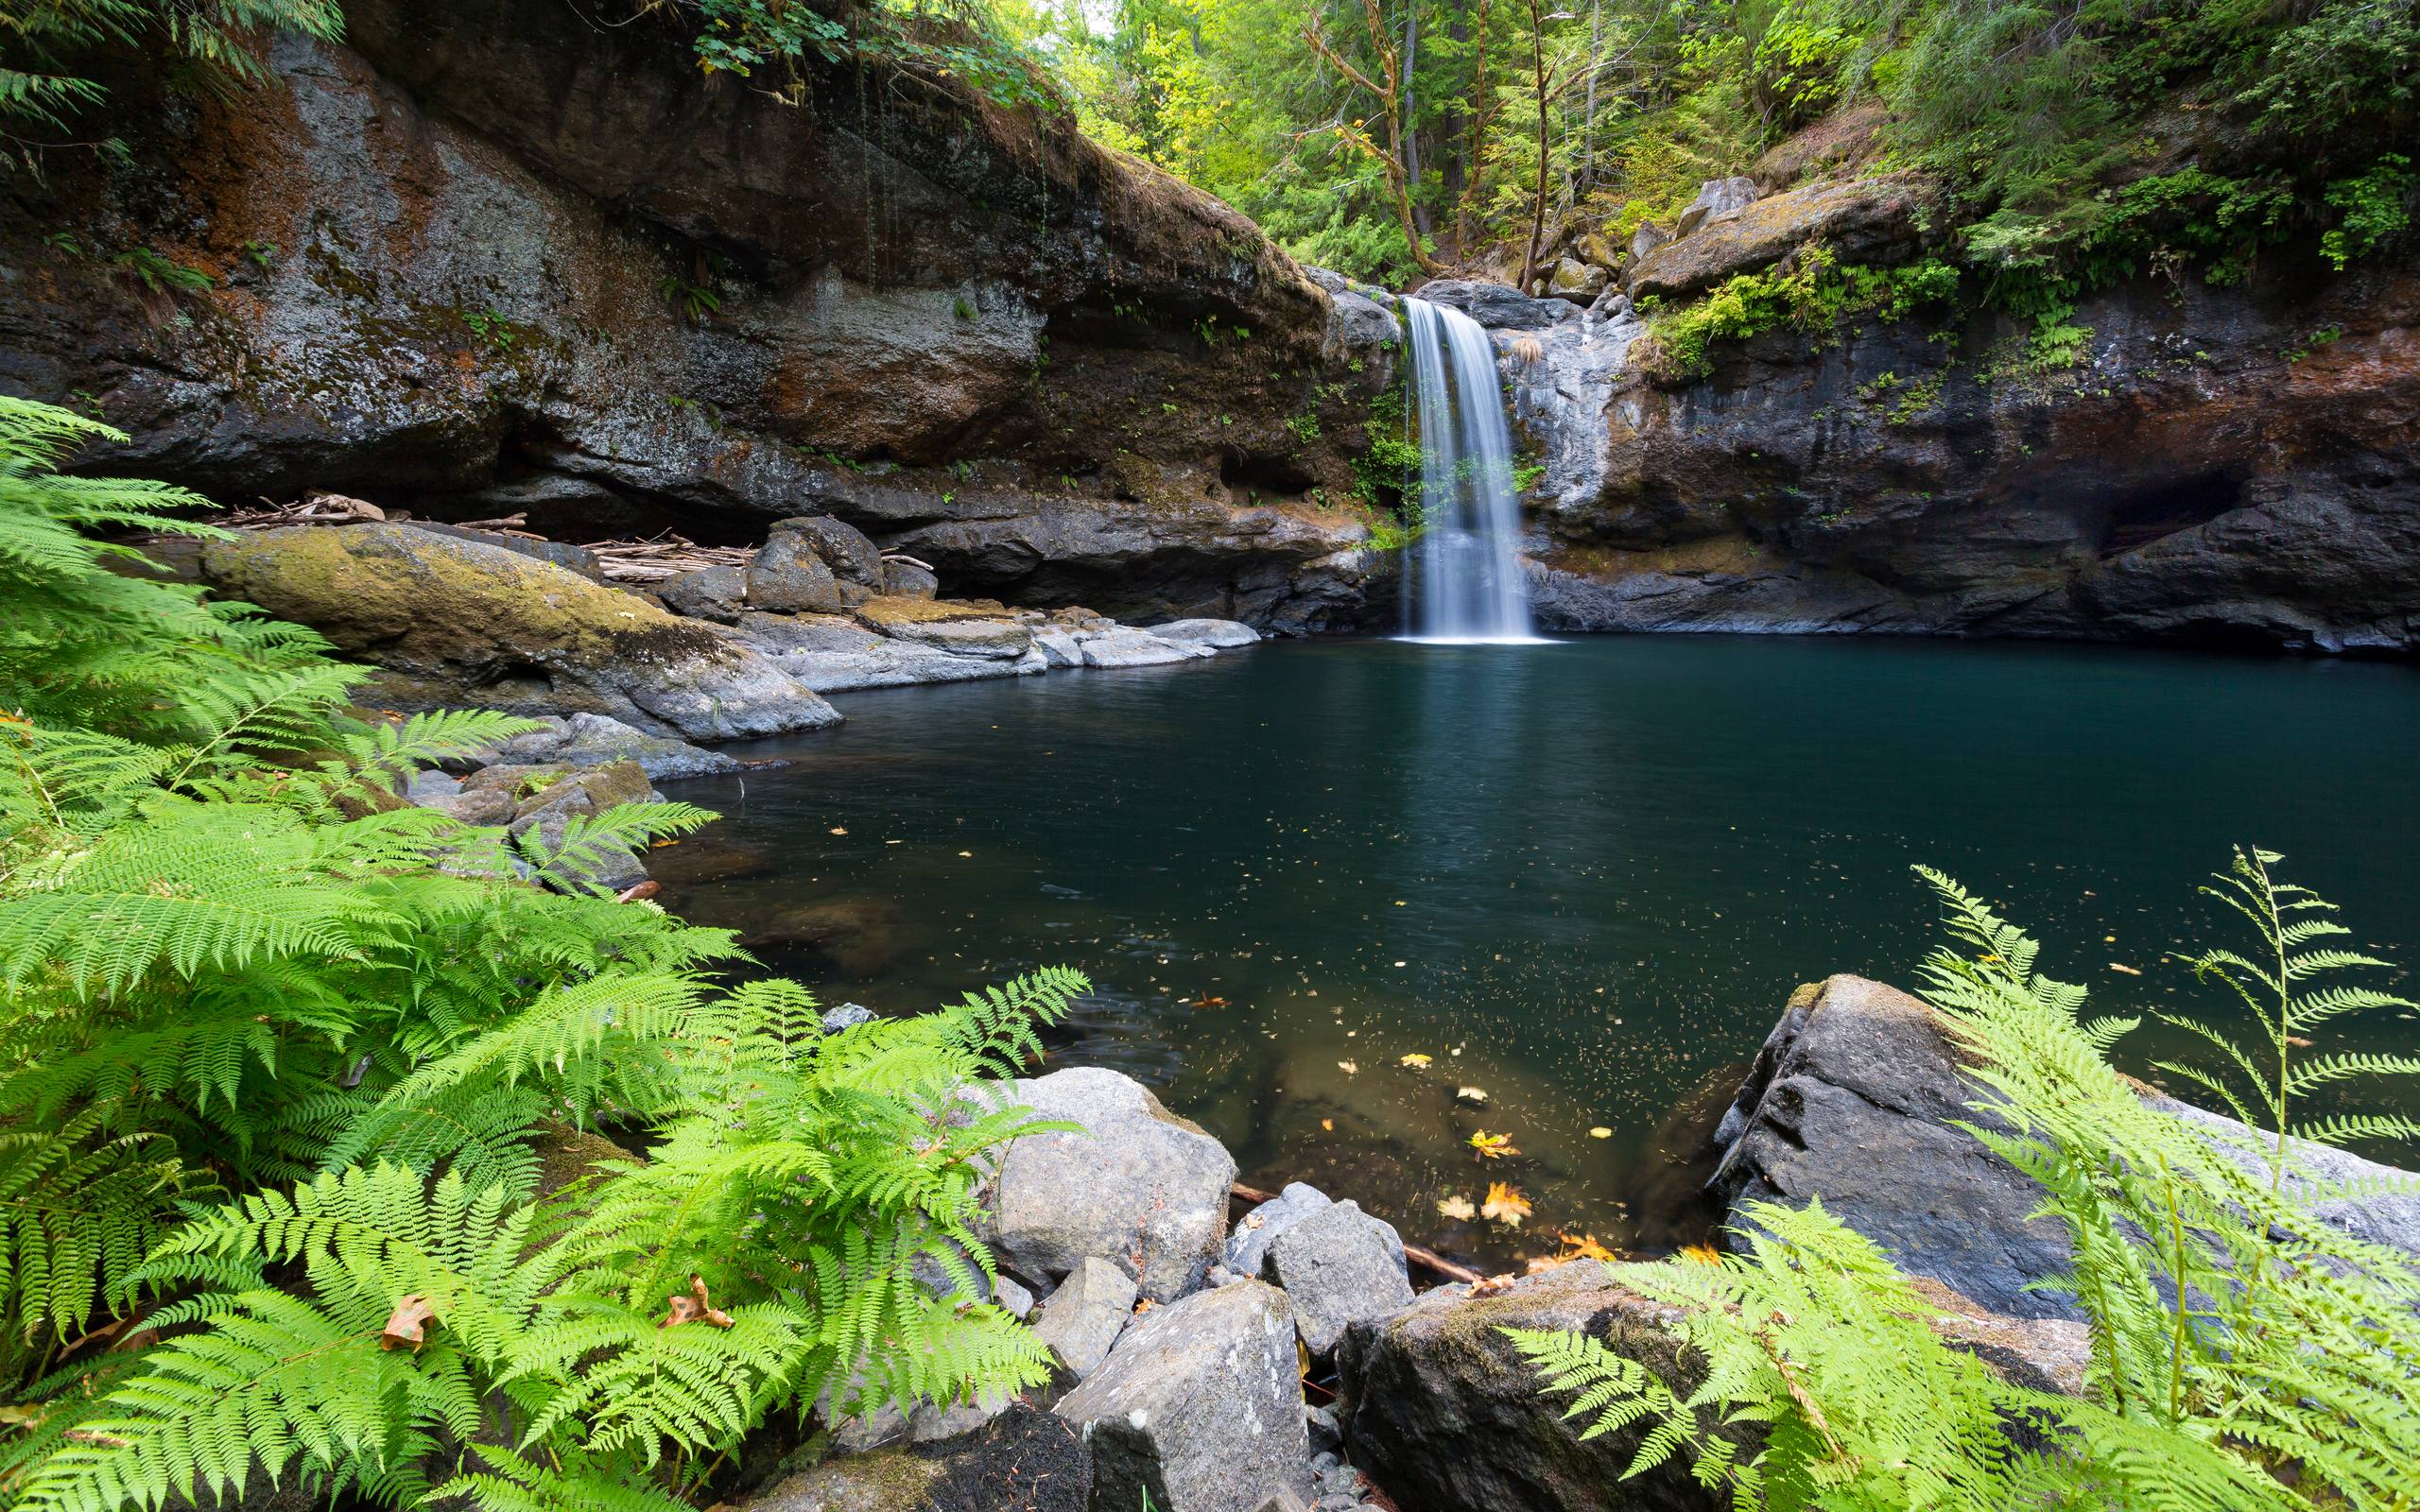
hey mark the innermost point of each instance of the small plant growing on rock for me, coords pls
(491, 329)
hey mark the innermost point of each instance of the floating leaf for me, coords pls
(1205, 1001)
(1585, 1246)
(692, 1307)
(1702, 1254)
(1350, 1068)
(1600, 1132)
(1458, 1208)
(837, 830)
(408, 1324)
(1471, 1095)
(1492, 1146)
(1415, 1060)
(1505, 1205)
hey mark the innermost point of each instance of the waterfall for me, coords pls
(1461, 581)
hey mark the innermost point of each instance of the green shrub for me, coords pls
(1815, 298)
(2376, 207)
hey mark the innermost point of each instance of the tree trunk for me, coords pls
(1538, 202)
(1480, 96)
(1588, 125)
(1410, 114)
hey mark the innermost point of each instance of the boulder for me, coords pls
(1140, 1185)
(592, 740)
(1084, 1316)
(907, 579)
(1850, 1099)
(1869, 220)
(717, 592)
(1199, 1408)
(561, 553)
(1137, 648)
(1715, 196)
(1496, 306)
(1646, 239)
(457, 623)
(1019, 1460)
(1059, 648)
(1338, 1266)
(1447, 1416)
(1255, 1230)
(788, 577)
(840, 547)
(1577, 281)
(1217, 634)
(988, 639)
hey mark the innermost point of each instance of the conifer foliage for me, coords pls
(275, 1051)
(2246, 1353)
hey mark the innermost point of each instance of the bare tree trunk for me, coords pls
(1538, 202)
(1389, 87)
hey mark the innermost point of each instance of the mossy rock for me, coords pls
(458, 622)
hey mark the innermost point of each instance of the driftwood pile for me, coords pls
(652, 561)
(660, 556)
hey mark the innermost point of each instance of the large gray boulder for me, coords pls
(1869, 220)
(1137, 648)
(1139, 1185)
(787, 575)
(833, 655)
(1715, 196)
(1018, 1460)
(1258, 1229)
(460, 622)
(842, 547)
(1338, 1266)
(1447, 1416)
(1851, 1100)
(1199, 1407)
(1083, 1319)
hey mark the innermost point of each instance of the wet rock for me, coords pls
(1059, 648)
(847, 1015)
(988, 639)
(1849, 1100)
(717, 594)
(840, 547)
(1338, 1266)
(1866, 221)
(1495, 306)
(457, 623)
(837, 655)
(1199, 1407)
(1715, 196)
(593, 739)
(1221, 635)
(1446, 1416)
(1084, 1316)
(1141, 1186)
(1137, 648)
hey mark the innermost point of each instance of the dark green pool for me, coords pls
(1583, 877)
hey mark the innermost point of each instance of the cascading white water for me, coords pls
(1462, 583)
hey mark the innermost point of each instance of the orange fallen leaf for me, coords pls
(408, 1324)
(1585, 1246)
(1702, 1254)
(692, 1307)
(1328, 1124)
(1207, 1001)
(1492, 1146)
(1505, 1205)
(1494, 1284)
(1415, 1060)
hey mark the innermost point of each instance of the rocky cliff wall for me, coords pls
(487, 258)
(2215, 466)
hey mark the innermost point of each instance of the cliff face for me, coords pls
(2236, 466)
(488, 259)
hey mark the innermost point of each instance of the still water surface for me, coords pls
(1582, 878)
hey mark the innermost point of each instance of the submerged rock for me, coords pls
(1140, 1186)
(1199, 1407)
(457, 623)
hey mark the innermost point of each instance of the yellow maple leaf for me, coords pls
(1457, 1207)
(1415, 1060)
(1702, 1254)
(1585, 1246)
(1600, 1132)
(1505, 1205)
(1492, 1146)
